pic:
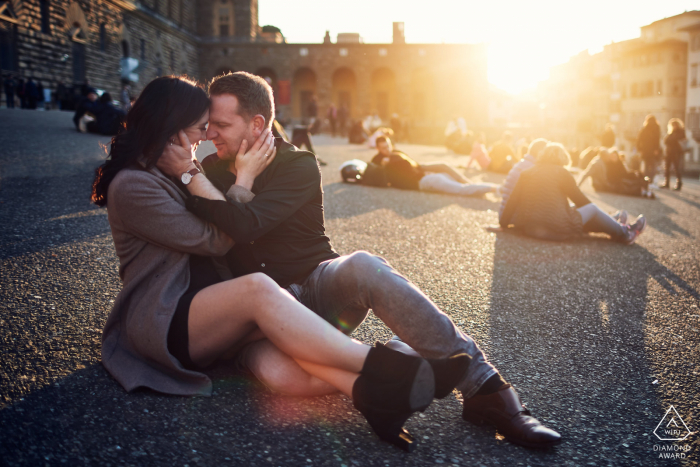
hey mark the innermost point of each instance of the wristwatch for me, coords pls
(186, 177)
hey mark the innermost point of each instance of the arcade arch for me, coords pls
(383, 92)
(422, 95)
(303, 90)
(344, 90)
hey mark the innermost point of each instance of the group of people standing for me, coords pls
(31, 94)
(649, 145)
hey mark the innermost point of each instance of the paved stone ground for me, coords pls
(600, 339)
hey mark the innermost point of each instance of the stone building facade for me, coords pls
(70, 41)
(65, 41)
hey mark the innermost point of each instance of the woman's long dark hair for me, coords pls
(166, 106)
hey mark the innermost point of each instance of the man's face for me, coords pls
(227, 129)
(384, 148)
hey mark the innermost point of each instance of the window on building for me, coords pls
(695, 45)
(659, 87)
(143, 49)
(103, 37)
(172, 61)
(693, 121)
(223, 22)
(694, 74)
(224, 19)
(125, 49)
(45, 16)
(634, 90)
(676, 89)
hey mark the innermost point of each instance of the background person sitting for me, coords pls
(502, 154)
(528, 160)
(87, 105)
(403, 172)
(609, 174)
(539, 205)
(479, 153)
(357, 133)
(381, 131)
(103, 117)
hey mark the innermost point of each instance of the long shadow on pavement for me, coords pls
(567, 323)
(341, 200)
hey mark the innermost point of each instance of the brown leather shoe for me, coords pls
(504, 410)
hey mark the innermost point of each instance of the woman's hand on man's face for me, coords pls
(177, 157)
(251, 162)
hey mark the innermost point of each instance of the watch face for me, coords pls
(186, 178)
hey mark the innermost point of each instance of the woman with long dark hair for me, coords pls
(167, 323)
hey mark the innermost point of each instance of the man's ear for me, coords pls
(258, 125)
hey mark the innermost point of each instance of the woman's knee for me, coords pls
(258, 283)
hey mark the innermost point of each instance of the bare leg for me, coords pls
(341, 379)
(281, 373)
(224, 313)
(445, 169)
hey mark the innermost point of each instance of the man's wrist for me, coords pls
(245, 181)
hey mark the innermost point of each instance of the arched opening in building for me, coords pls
(383, 92)
(269, 75)
(344, 90)
(303, 90)
(422, 102)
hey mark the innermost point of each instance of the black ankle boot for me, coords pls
(395, 381)
(391, 387)
(449, 372)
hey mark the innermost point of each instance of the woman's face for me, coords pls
(198, 132)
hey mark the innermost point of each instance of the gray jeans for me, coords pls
(595, 219)
(343, 290)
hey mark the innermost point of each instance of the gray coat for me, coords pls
(154, 235)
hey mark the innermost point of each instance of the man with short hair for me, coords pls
(278, 227)
(403, 172)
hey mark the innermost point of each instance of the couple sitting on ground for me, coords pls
(392, 168)
(98, 115)
(609, 175)
(235, 264)
(536, 196)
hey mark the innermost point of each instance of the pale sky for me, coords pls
(524, 37)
